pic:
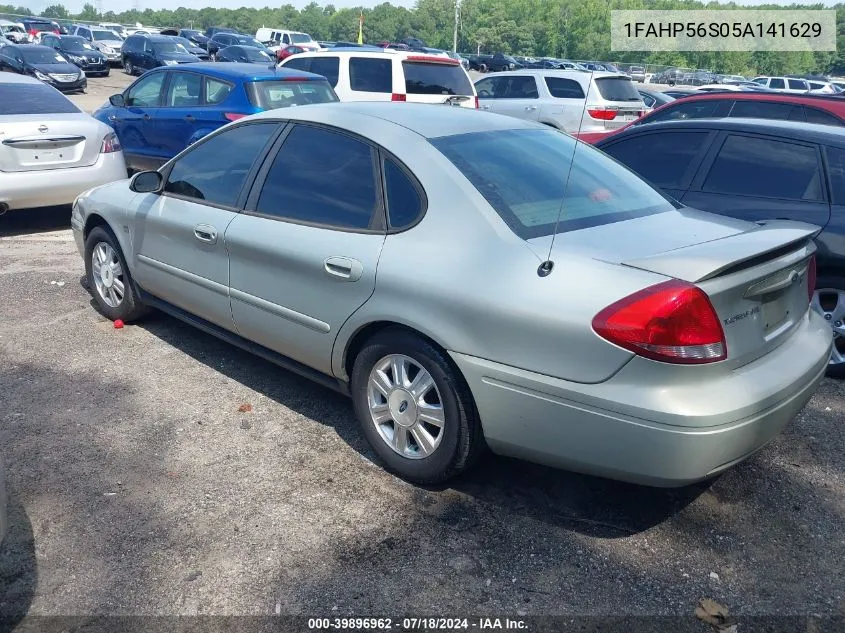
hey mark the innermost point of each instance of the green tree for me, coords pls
(56, 11)
(89, 13)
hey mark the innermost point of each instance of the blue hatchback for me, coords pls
(171, 107)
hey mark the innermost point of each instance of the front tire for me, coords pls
(414, 408)
(829, 301)
(108, 277)
(128, 68)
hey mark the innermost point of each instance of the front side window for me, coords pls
(492, 88)
(184, 90)
(146, 93)
(321, 177)
(370, 74)
(663, 158)
(522, 87)
(522, 175)
(765, 168)
(215, 170)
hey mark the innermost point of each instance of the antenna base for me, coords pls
(545, 269)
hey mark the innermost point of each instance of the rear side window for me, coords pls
(814, 115)
(184, 90)
(328, 67)
(435, 79)
(561, 88)
(34, 99)
(268, 95)
(692, 109)
(777, 83)
(663, 159)
(369, 74)
(321, 177)
(202, 175)
(765, 168)
(797, 84)
(763, 110)
(404, 205)
(522, 175)
(836, 168)
(216, 91)
(617, 89)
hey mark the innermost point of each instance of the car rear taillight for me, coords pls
(673, 322)
(233, 116)
(477, 105)
(110, 144)
(811, 278)
(397, 97)
(602, 114)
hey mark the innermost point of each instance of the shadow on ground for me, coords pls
(18, 568)
(40, 220)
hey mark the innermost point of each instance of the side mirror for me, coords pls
(146, 182)
(117, 101)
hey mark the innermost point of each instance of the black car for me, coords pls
(214, 30)
(195, 37)
(246, 55)
(145, 52)
(79, 51)
(755, 170)
(43, 63)
(222, 40)
(34, 26)
(192, 48)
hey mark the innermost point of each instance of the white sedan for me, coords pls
(50, 151)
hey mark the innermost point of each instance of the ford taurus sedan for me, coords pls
(448, 270)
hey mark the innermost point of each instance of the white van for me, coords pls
(279, 38)
(390, 75)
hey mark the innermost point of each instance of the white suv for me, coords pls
(389, 75)
(783, 84)
(570, 100)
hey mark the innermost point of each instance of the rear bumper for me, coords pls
(24, 190)
(635, 428)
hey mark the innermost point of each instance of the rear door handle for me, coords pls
(485, 107)
(205, 233)
(147, 117)
(343, 268)
(529, 108)
(189, 118)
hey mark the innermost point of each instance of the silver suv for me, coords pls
(570, 100)
(106, 41)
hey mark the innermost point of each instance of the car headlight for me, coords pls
(76, 58)
(41, 76)
(108, 49)
(171, 62)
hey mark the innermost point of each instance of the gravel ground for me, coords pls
(138, 487)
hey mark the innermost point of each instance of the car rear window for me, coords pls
(40, 27)
(617, 89)
(523, 175)
(435, 79)
(34, 99)
(268, 95)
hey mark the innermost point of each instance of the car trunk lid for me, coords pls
(614, 102)
(29, 143)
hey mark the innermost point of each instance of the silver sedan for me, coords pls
(472, 280)
(50, 151)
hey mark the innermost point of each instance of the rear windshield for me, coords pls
(40, 27)
(436, 79)
(34, 99)
(617, 89)
(268, 95)
(300, 38)
(523, 173)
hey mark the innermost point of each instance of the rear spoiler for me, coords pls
(730, 254)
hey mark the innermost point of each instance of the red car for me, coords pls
(287, 51)
(828, 110)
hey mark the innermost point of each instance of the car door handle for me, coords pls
(189, 118)
(343, 268)
(529, 108)
(485, 107)
(147, 117)
(205, 233)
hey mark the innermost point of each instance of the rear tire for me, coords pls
(829, 301)
(431, 452)
(108, 277)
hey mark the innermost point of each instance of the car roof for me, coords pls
(153, 37)
(427, 120)
(559, 72)
(243, 72)
(836, 102)
(798, 130)
(14, 78)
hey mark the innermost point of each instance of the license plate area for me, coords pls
(774, 311)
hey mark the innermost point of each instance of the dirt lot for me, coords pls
(138, 487)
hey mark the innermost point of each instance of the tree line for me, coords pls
(571, 29)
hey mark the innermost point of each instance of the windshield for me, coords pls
(188, 33)
(185, 43)
(255, 55)
(523, 173)
(436, 79)
(251, 41)
(300, 38)
(41, 55)
(76, 44)
(271, 94)
(105, 36)
(169, 48)
(617, 89)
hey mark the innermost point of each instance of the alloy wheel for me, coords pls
(108, 274)
(405, 406)
(830, 303)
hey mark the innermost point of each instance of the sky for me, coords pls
(75, 6)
